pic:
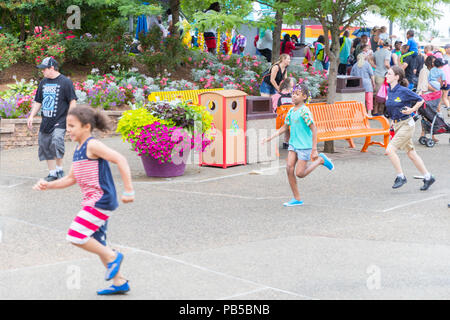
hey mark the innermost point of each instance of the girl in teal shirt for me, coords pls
(302, 143)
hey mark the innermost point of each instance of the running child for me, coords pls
(90, 170)
(302, 143)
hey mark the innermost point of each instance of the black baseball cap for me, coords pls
(47, 63)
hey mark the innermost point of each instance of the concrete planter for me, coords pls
(14, 133)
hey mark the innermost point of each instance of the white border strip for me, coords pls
(413, 202)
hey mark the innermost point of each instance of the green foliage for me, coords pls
(218, 20)
(131, 122)
(110, 51)
(77, 50)
(10, 51)
(136, 8)
(239, 8)
(161, 53)
(153, 39)
(20, 87)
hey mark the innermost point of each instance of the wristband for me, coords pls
(128, 194)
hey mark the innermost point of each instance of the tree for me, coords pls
(338, 15)
(19, 16)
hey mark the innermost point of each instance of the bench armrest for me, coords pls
(384, 122)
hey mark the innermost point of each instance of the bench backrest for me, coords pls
(340, 116)
(183, 95)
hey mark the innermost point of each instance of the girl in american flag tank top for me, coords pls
(91, 171)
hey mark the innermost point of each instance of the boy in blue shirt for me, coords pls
(412, 44)
(302, 143)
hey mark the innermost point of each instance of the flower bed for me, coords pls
(121, 89)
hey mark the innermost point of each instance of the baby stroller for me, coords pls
(432, 121)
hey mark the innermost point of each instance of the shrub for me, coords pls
(10, 50)
(161, 54)
(47, 43)
(77, 50)
(110, 52)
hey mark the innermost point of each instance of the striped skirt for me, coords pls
(85, 224)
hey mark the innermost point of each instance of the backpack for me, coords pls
(320, 54)
(267, 73)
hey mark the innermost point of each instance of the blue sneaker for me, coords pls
(327, 162)
(113, 267)
(294, 202)
(115, 289)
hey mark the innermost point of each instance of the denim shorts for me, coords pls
(302, 154)
(267, 88)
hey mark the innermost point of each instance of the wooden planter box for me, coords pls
(14, 133)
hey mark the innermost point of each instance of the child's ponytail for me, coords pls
(86, 114)
(102, 121)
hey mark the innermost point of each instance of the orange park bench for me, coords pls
(344, 120)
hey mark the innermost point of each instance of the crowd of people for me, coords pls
(369, 57)
(426, 70)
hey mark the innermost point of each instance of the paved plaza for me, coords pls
(223, 233)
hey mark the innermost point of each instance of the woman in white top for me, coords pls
(423, 86)
(264, 45)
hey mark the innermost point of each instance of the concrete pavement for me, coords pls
(224, 234)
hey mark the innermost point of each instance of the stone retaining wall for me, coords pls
(14, 133)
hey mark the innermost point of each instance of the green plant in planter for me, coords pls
(132, 121)
(184, 115)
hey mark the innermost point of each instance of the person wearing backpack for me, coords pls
(272, 78)
(321, 59)
(344, 52)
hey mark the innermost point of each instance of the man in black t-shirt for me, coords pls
(408, 63)
(54, 97)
